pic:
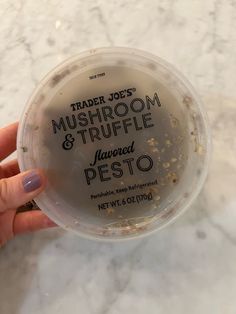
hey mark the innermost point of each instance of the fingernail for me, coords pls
(31, 182)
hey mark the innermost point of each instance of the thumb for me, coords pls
(20, 189)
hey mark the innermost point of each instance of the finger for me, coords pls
(8, 140)
(31, 221)
(6, 226)
(9, 169)
(20, 189)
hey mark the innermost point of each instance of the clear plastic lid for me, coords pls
(122, 138)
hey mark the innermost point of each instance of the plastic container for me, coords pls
(123, 139)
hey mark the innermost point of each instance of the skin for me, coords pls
(12, 194)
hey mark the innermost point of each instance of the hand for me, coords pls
(16, 189)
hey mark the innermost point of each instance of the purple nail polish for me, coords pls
(31, 182)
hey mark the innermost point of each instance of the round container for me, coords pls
(123, 140)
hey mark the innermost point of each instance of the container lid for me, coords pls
(122, 139)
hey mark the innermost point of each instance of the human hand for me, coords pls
(16, 189)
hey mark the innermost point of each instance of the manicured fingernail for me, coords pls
(31, 182)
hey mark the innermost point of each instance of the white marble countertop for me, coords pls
(189, 267)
